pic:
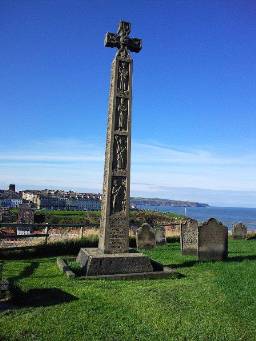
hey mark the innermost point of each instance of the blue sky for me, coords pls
(194, 103)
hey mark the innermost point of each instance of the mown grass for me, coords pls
(212, 301)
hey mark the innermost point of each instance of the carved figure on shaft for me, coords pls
(123, 78)
(122, 109)
(121, 149)
(118, 196)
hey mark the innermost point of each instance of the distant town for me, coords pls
(50, 199)
(61, 200)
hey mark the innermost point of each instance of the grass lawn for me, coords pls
(212, 301)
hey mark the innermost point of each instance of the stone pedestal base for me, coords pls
(95, 263)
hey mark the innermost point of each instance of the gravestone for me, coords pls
(113, 256)
(160, 235)
(239, 231)
(25, 214)
(189, 237)
(212, 240)
(145, 237)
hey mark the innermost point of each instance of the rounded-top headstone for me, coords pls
(212, 240)
(239, 231)
(160, 235)
(145, 237)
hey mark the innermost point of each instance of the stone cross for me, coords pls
(121, 39)
(114, 226)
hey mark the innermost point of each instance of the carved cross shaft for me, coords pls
(121, 40)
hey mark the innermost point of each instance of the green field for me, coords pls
(212, 301)
(93, 217)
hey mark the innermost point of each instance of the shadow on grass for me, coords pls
(26, 272)
(190, 263)
(65, 247)
(240, 258)
(186, 264)
(60, 248)
(42, 297)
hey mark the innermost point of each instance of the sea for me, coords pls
(227, 215)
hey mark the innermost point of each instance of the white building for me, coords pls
(60, 200)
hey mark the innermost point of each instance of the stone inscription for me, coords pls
(117, 234)
(189, 237)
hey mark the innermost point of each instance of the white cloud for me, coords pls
(156, 169)
(57, 150)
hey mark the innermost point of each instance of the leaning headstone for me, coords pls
(212, 240)
(239, 231)
(160, 235)
(189, 237)
(145, 237)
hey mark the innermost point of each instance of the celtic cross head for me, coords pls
(121, 39)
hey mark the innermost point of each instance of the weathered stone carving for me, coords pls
(114, 230)
(123, 78)
(189, 237)
(112, 259)
(118, 195)
(121, 114)
(120, 152)
(121, 39)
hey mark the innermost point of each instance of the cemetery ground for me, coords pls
(210, 301)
